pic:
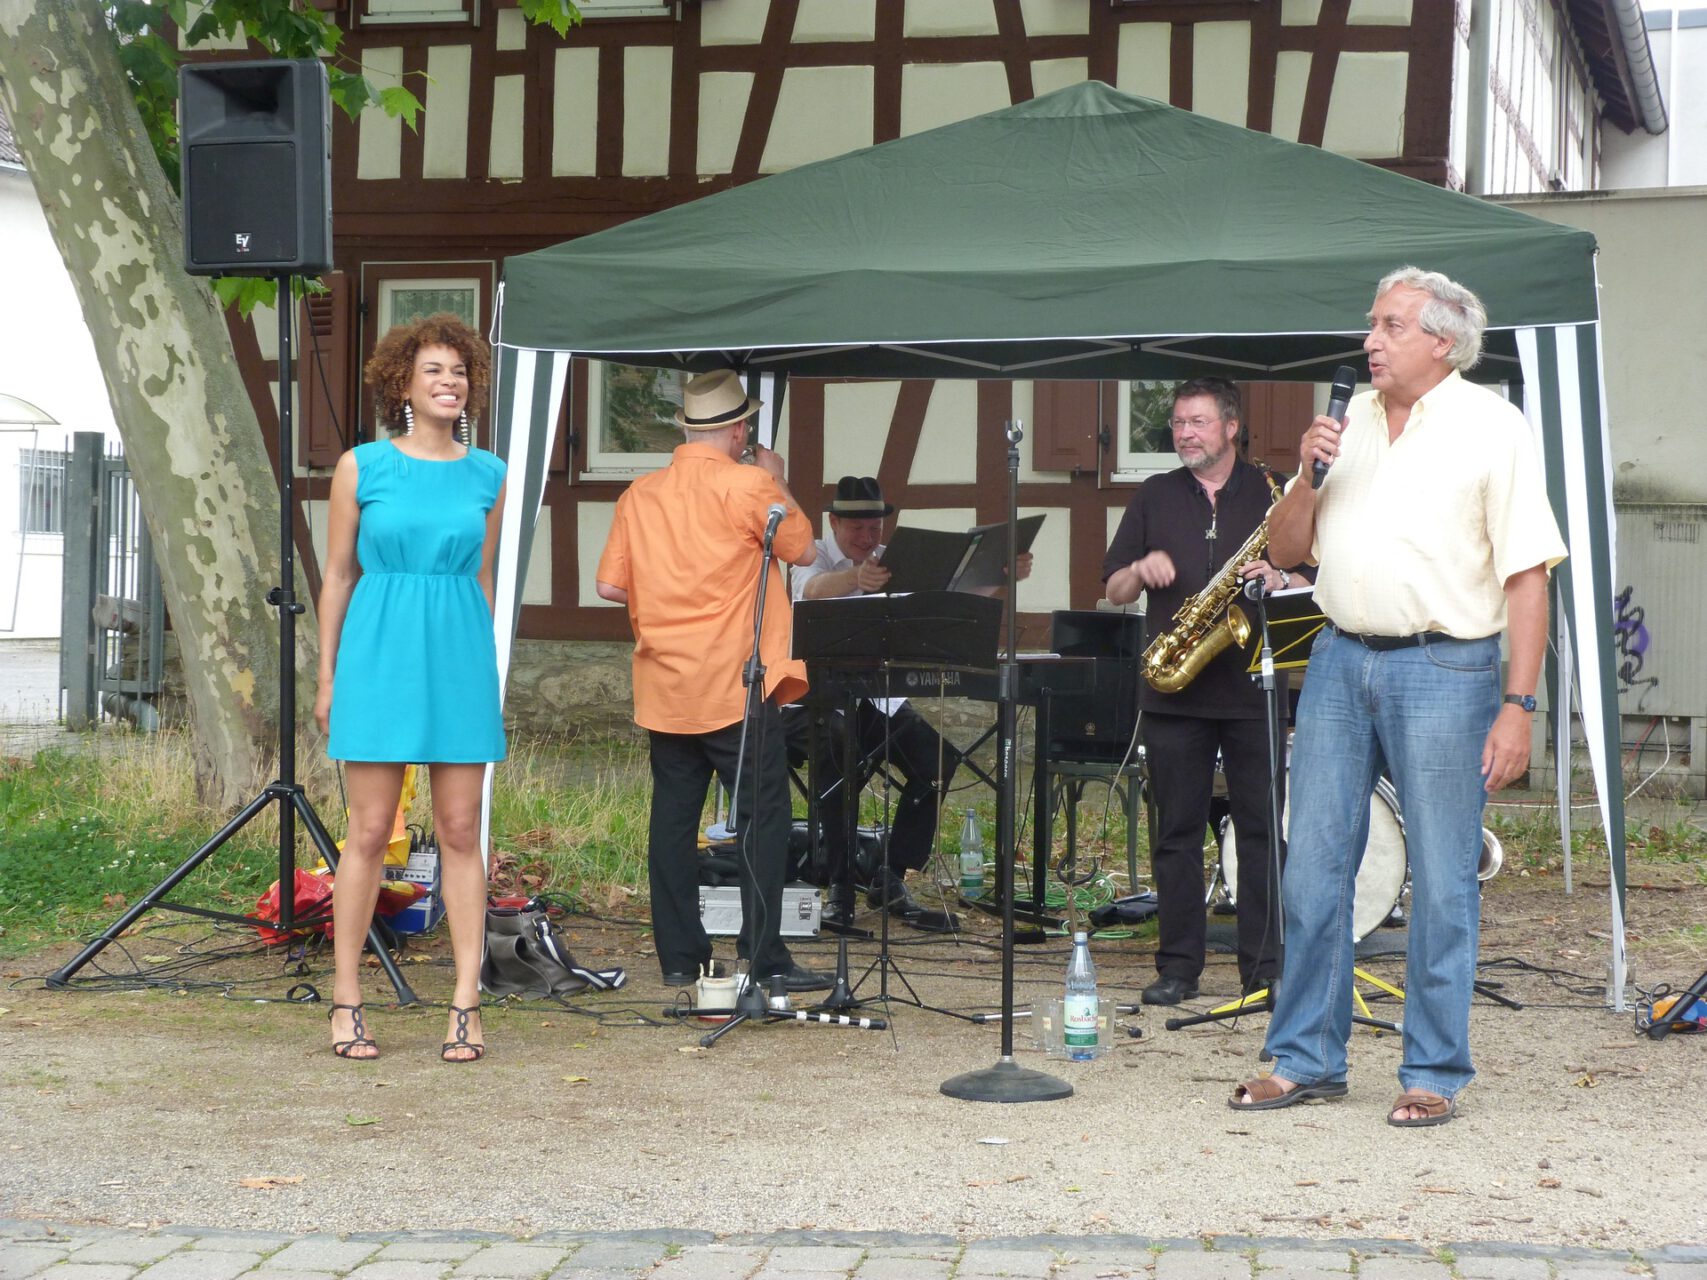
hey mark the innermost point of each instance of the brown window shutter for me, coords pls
(1067, 420)
(323, 374)
(1276, 415)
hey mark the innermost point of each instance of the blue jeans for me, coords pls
(1423, 713)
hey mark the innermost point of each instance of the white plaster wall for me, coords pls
(592, 531)
(948, 441)
(1141, 59)
(575, 113)
(933, 95)
(1221, 71)
(646, 110)
(379, 146)
(856, 426)
(444, 119)
(820, 112)
(1653, 298)
(47, 358)
(1366, 115)
(1677, 157)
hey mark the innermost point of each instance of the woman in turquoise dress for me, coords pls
(408, 663)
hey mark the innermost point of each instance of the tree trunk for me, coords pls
(206, 484)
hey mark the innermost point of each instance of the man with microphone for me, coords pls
(1433, 535)
(685, 550)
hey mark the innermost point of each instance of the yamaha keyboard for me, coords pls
(1040, 675)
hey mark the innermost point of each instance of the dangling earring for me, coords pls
(462, 428)
(408, 418)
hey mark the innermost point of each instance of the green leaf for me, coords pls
(398, 101)
(356, 1122)
(559, 15)
(245, 293)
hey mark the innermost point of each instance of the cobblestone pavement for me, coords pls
(49, 1251)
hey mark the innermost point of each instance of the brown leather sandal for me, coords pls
(1435, 1109)
(1263, 1093)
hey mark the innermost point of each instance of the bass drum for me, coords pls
(1381, 878)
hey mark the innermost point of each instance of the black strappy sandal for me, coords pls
(359, 1036)
(462, 1041)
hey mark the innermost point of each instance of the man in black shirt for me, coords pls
(1180, 528)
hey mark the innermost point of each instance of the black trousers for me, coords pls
(1179, 752)
(682, 765)
(918, 752)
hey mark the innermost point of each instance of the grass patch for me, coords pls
(83, 835)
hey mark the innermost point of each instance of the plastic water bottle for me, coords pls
(971, 857)
(1079, 1007)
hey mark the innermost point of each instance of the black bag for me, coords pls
(526, 956)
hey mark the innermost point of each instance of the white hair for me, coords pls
(1451, 312)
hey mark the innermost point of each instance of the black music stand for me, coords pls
(941, 629)
(1006, 1080)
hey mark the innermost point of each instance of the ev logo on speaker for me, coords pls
(242, 238)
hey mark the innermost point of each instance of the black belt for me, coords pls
(1385, 644)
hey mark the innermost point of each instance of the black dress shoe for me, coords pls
(678, 979)
(839, 906)
(890, 894)
(798, 978)
(1169, 990)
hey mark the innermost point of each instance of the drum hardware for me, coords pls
(1493, 857)
(1262, 1001)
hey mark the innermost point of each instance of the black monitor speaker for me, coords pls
(1097, 724)
(256, 143)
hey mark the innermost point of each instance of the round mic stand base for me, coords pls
(1007, 1081)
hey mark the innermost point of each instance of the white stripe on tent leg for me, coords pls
(526, 448)
(1602, 616)
(1561, 703)
(1590, 579)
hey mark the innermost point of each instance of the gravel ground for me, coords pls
(150, 1107)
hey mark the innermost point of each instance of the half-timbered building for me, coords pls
(529, 139)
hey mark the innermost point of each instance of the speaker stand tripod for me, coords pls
(284, 791)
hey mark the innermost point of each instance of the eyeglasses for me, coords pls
(1196, 424)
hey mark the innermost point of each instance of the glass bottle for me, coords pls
(1079, 1008)
(971, 857)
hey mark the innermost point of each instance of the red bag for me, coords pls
(313, 898)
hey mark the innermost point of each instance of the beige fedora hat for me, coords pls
(714, 400)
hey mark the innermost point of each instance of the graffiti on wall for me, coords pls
(1634, 644)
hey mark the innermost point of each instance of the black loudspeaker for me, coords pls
(256, 142)
(1097, 724)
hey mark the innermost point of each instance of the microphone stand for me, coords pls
(751, 1003)
(1262, 1000)
(1007, 1081)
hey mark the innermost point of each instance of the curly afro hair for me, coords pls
(393, 362)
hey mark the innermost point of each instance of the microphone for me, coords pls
(1345, 382)
(776, 513)
(1255, 589)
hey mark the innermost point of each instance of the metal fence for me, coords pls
(113, 620)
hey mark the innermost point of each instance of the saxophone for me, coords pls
(1199, 630)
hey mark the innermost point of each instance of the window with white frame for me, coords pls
(418, 13)
(631, 417)
(41, 490)
(626, 8)
(401, 301)
(1146, 440)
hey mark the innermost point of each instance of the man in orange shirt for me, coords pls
(684, 554)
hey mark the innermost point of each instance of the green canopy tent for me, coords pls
(1085, 234)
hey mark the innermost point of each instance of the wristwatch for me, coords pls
(1285, 580)
(1524, 700)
